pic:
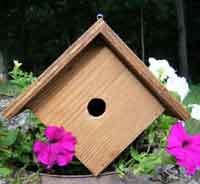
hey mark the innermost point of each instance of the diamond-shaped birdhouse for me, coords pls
(100, 91)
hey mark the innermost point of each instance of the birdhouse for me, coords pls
(100, 91)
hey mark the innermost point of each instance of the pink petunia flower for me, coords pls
(184, 147)
(59, 149)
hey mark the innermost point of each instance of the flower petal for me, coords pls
(193, 153)
(196, 139)
(49, 157)
(46, 155)
(176, 152)
(68, 142)
(161, 69)
(60, 149)
(195, 114)
(184, 147)
(177, 135)
(54, 133)
(64, 159)
(188, 165)
(178, 85)
(39, 146)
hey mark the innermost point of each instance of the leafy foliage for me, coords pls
(16, 147)
(157, 132)
(151, 151)
(20, 78)
(193, 126)
(19, 81)
(194, 95)
(146, 163)
(7, 140)
(9, 89)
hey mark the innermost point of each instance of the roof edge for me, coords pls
(141, 70)
(67, 56)
(129, 58)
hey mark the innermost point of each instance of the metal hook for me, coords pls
(99, 16)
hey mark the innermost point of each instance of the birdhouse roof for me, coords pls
(129, 59)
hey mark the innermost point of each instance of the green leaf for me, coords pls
(147, 164)
(10, 89)
(135, 155)
(5, 171)
(175, 95)
(167, 159)
(193, 126)
(8, 138)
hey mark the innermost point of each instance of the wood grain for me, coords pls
(127, 57)
(54, 69)
(141, 70)
(130, 108)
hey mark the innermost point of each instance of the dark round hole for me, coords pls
(96, 107)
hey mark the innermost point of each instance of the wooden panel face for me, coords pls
(130, 108)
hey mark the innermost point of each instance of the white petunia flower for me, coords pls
(161, 69)
(195, 114)
(178, 85)
(17, 63)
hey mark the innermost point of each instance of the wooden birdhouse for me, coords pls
(100, 91)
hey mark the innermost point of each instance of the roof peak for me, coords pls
(136, 66)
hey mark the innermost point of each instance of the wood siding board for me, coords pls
(54, 69)
(142, 71)
(100, 27)
(100, 140)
